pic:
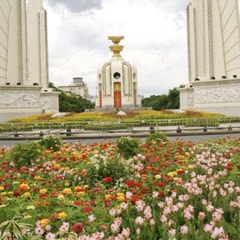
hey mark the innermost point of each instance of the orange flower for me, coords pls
(23, 187)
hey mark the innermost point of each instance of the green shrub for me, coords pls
(23, 154)
(157, 137)
(109, 171)
(51, 142)
(127, 146)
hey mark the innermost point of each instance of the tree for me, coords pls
(71, 103)
(173, 99)
(159, 102)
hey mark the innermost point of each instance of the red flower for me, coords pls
(161, 184)
(135, 198)
(107, 179)
(138, 184)
(87, 209)
(130, 183)
(161, 194)
(77, 227)
(180, 171)
(16, 194)
(42, 195)
(238, 166)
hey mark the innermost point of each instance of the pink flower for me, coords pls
(184, 229)
(126, 232)
(208, 228)
(39, 231)
(50, 236)
(201, 215)
(139, 220)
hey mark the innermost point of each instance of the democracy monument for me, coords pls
(117, 81)
(24, 60)
(214, 57)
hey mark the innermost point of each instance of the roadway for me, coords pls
(193, 136)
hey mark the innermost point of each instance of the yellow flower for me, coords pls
(38, 178)
(66, 184)
(26, 194)
(108, 196)
(120, 197)
(86, 186)
(61, 197)
(67, 191)
(187, 154)
(61, 215)
(172, 174)
(43, 190)
(80, 193)
(158, 176)
(2, 188)
(44, 222)
(31, 207)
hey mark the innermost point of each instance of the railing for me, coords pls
(177, 125)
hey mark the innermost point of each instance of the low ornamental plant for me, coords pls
(127, 146)
(166, 190)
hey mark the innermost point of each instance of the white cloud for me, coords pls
(155, 40)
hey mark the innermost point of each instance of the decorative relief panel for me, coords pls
(217, 94)
(19, 100)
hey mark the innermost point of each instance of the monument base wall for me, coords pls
(20, 101)
(216, 96)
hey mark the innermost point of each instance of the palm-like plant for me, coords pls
(13, 229)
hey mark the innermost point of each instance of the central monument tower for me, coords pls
(117, 81)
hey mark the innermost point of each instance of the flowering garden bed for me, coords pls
(124, 190)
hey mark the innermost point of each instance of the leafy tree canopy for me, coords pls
(160, 102)
(71, 103)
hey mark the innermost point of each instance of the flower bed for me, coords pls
(168, 190)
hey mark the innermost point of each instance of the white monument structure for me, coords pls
(214, 57)
(24, 60)
(117, 81)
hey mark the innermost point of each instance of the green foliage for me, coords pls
(173, 99)
(51, 142)
(128, 146)
(115, 168)
(69, 103)
(23, 154)
(12, 229)
(157, 137)
(160, 102)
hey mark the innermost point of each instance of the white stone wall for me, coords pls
(213, 34)
(214, 57)
(24, 60)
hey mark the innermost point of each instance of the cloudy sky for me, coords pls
(155, 40)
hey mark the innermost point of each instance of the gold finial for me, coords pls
(116, 49)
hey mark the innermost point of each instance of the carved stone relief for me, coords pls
(19, 100)
(217, 94)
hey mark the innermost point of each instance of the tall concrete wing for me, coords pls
(214, 57)
(13, 59)
(37, 43)
(214, 39)
(24, 60)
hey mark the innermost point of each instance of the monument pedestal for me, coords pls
(217, 96)
(20, 101)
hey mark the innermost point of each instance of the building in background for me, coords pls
(214, 57)
(24, 60)
(77, 88)
(117, 81)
